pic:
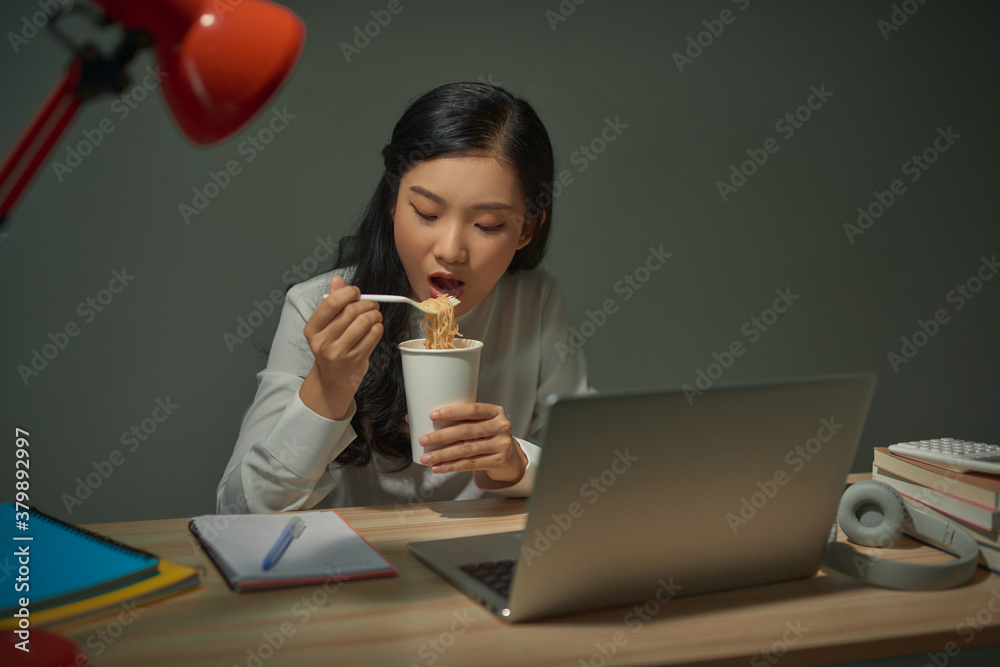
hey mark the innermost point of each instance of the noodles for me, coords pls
(439, 326)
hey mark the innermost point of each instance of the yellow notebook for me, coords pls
(170, 578)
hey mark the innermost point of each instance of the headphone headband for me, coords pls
(873, 513)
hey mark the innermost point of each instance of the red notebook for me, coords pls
(327, 550)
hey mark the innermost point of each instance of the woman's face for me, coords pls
(457, 222)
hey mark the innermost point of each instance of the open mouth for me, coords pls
(442, 283)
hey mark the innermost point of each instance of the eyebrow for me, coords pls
(482, 206)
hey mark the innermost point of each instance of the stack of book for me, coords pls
(970, 499)
(66, 572)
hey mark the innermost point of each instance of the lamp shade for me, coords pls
(220, 61)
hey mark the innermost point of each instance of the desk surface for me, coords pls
(419, 619)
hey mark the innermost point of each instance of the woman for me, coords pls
(463, 208)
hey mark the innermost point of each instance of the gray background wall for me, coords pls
(162, 337)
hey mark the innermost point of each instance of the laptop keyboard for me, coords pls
(495, 574)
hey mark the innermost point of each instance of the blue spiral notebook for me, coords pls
(51, 562)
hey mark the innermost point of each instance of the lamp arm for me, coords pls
(90, 74)
(230, 77)
(36, 141)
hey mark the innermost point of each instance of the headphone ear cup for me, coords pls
(871, 513)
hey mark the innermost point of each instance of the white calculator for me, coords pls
(951, 454)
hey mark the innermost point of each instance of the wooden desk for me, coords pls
(419, 619)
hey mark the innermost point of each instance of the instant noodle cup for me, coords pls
(435, 378)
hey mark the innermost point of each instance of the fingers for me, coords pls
(467, 455)
(468, 432)
(356, 331)
(480, 439)
(472, 421)
(370, 339)
(342, 334)
(502, 460)
(349, 334)
(340, 296)
(342, 324)
(467, 411)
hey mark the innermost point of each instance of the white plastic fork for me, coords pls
(392, 298)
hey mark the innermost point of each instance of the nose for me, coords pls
(450, 246)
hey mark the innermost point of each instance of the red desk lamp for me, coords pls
(223, 63)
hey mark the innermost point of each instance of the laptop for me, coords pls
(666, 493)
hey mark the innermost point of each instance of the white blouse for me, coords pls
(284, 456)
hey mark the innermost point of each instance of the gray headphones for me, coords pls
(874, 514)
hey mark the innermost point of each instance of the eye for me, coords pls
(491, 229)
(423, 216)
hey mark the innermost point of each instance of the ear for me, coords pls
(528, 230)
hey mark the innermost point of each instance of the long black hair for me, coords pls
(455, 118)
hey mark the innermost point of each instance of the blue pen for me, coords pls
(291, 531)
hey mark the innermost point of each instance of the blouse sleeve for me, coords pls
(279, 462)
